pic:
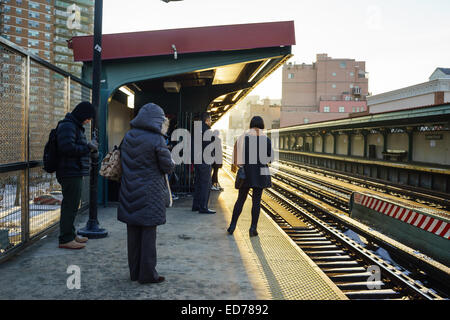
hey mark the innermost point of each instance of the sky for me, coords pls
(401, 41)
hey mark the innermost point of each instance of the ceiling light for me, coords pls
(130, 96)
(261, 66)
(126, 90)
(236, 95)
(214, 109)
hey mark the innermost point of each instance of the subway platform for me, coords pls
(195, 253)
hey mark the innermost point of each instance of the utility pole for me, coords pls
(92, 230)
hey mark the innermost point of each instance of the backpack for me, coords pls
(51, 152)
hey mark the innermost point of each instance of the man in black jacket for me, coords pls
(202, 172)
(73, 164)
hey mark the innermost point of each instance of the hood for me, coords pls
(150, 117)
(70, 117)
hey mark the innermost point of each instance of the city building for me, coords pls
(325, 90)
(43, 27)
(433, 92)
(268, 109)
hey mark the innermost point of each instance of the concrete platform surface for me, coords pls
(195, 254)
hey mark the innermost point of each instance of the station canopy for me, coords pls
(191, 69)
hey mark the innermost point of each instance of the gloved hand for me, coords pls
(94, 155)
(93, 145)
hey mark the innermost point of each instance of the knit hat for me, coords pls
(83, 111)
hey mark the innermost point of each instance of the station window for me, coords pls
(7, 19)
(7, 9)
(353, 109)
(18, 39)
(343, 64)
(357, 109)
(19, 1)
(351, 85)
(6, 28)
(290, 76)
(18, 30)
(19, 10)
(352, 74)
(326, 109)
(305, 120)
(334, 74)
(333, 85)
(18, 20)
(341, 109)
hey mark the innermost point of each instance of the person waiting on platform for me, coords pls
(252, 152)
(202, 171)
(217, 164)
(144, 194)
(73, 164)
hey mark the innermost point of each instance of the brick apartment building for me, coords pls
(327, 89)
(43, 27)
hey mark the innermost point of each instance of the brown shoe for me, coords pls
(81, 239)
(72, 245)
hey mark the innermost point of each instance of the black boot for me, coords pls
(231, 228)
(252, 232)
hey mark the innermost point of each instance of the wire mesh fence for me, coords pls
(34, 96)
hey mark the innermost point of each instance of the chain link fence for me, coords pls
(34, 96)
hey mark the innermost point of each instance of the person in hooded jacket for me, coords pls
(74, 153)
(144, 194)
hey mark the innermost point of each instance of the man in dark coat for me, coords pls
(74, 154)
(202, 171)
(144, 193)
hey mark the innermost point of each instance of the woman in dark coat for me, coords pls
(252, 151)
(143, 192)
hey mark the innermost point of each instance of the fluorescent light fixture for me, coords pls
(130, 96)
(220, 99)
(236, 95)
(226, 107)
(214, 109)
(130, 102)
(127, 91)
(261, 66)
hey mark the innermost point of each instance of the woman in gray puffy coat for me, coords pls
(143, 190)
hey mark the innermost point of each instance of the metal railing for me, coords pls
(34, 96)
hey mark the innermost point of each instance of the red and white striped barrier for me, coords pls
(425, 222)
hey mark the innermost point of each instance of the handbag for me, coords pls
(240, 178)
(111, 167)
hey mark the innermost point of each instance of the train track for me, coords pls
(434, 199)
(358, 267)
